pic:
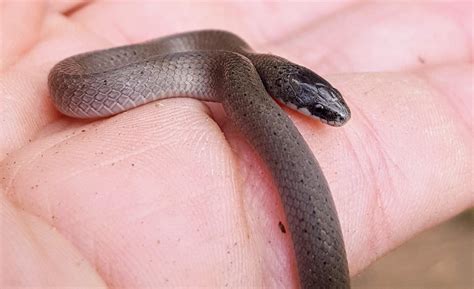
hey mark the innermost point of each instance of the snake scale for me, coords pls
(214, 65)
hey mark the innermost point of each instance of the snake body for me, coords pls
(219, 66)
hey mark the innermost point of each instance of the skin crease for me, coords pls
(158, 217)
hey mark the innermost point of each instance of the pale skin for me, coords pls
(169, 194)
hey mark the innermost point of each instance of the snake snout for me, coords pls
(332, 107)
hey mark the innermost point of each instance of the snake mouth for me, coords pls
(331, 122)
(326, 121)
(336, 122)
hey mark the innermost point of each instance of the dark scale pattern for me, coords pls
(219, 66)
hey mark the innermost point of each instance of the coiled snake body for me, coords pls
(219, 66)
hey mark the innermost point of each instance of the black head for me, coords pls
(307, 92)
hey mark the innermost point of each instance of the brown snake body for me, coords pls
(219, 66)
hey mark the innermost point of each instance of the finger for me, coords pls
(37, 255)
(20, 29)
(404, 158)
(257, 22)
(25, 106)
(383, 37)
(453, 83)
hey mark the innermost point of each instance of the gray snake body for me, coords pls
(219, 66)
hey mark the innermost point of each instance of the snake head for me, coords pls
(318, 97)
(303, 90)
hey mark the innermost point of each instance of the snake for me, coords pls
(219, 66)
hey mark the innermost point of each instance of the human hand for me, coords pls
(169, 194)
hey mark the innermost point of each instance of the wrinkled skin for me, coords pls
(79, 209)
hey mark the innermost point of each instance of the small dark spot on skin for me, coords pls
(158, 242)
(282, 227)
(83, 130)
(133, 164)
(421, 60)
(228, 252)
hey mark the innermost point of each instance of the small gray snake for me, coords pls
(219, 66)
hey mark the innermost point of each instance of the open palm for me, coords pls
(170, 194)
